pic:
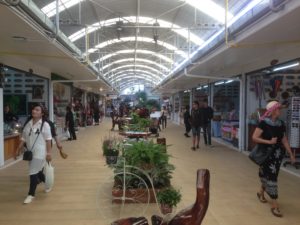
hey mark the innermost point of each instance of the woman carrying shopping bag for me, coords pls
(37, 137)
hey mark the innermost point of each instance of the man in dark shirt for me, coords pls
(186, 118)
(8, 115)
(207, 115)
(70, 124)
(196, 124)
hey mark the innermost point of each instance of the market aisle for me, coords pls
(79, 178)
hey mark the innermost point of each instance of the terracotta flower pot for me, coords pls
(165, 209)
(111, 160)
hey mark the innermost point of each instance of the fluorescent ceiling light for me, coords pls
(219, 83)
(210, 8)
(137, 60)
(139, 51)
(139, 39)
(199, 88)
(229, 81)
(143, 20)
(286, 66)
(206, 86)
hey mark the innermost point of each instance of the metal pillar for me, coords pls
(51, 103)
(211, 95)
(1, 130)
(242, 114)
(191, 98)
(57, 17)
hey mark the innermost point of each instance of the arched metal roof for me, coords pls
(150, 37)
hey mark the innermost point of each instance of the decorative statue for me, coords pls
(191, 215)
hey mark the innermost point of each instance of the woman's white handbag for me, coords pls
(49, 175)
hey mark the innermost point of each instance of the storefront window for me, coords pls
(280, 83)
(226, 111)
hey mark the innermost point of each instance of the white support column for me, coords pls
(242, 114)
(51, 104)
(1, 130)
(211, 95)
(191, 98)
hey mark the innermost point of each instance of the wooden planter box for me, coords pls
(138, 195)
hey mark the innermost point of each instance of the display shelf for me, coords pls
(230, 130)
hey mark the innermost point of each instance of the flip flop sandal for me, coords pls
(261, 198)
(276, 212)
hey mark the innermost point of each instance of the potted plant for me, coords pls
(168, 198)
(150, 158)
(110, 152)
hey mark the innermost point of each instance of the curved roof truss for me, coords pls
(131, 83)
(141, 68)
(134, 81)
(139, 51)
(136, 77)
(133, 74)
(162, 67)
(138, 39)
(183, 32)
(148, 68)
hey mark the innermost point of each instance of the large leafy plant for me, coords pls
(152, 159)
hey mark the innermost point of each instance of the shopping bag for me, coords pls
(49, 175)
(65, 135)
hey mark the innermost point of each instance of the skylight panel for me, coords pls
(211, 9)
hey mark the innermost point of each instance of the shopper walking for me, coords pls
(70, 124)
(196, 124)
(163, 117)
(186, 119)
(114, 117)
(207, 115)
(271, 131)
(37, 137)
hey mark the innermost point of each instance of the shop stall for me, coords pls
(20, 91)
(225, 122)
(278, 82)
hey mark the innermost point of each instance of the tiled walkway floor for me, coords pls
(83, 177)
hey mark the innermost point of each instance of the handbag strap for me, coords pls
(36, 137)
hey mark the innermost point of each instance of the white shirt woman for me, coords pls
(35, 140)
(37, 136)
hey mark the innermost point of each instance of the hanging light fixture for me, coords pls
(155, 32)
(119, 25)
